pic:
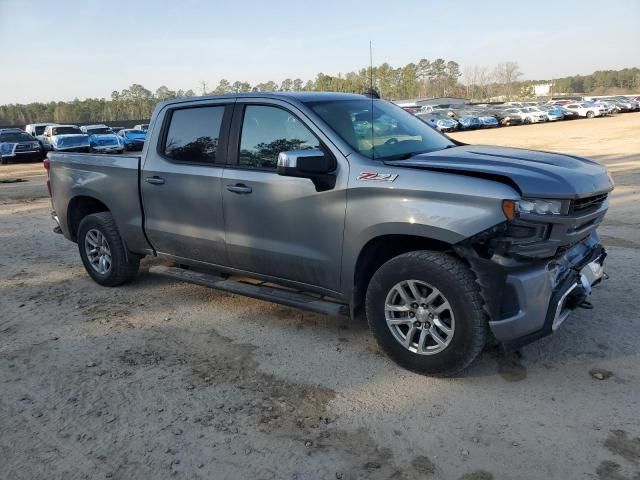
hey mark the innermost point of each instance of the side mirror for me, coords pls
(312, 164)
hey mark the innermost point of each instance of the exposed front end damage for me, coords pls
(535, 270)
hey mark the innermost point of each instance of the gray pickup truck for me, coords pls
(341, 204)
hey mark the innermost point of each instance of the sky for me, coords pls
(70, 49)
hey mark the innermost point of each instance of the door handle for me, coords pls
(239, 188)
(155, 180)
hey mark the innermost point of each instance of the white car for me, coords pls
(65, 138)
(609, 107)
(528, 114)
(588, 110)
(37, 129)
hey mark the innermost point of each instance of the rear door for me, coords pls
(281, 226)
(181, 181)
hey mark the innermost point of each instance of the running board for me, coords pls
(261, 291)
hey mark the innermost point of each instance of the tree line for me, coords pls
(425, 78)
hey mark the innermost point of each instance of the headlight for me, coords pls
(540, 206)
(6, 149)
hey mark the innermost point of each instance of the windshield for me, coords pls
(15, 137)
(65, 131)
(99, 131)
(393, 134)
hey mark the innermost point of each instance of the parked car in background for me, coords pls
(16, 145)
(37, 129)
(628, 104)
(553, 112)
(505, 118)
(569, 114)
(102, 139)
(117, 129)
(439, 120)
(486, 120)
(609, 107)
(67, 138)
(584, 109)
(620, 107)
(133, 139)
(466, 120)
(534, 115)
(142, 126)
(560, 102)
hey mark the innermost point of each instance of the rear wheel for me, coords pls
(103, 252)
(425, 311)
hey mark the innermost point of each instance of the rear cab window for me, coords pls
(193, 134)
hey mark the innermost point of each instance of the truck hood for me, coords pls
(531, 173)
(69, 140)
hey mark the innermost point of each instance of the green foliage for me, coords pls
(425, 78)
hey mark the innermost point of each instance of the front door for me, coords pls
(280, 226)
(181, 182)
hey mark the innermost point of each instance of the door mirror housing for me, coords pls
(315, 165)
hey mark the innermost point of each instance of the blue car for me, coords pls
(132, 138)
(439, 121)
(467, 121)
(102, 139)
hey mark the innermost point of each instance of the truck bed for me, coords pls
(114, 180)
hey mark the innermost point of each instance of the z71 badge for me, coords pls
(377, 177)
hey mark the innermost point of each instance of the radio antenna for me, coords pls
(373, 147)
(370, 66)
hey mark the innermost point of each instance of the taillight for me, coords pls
(46, 163)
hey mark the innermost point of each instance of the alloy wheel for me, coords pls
(98, 251)
(419, 317)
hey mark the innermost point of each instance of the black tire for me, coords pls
(589, 114)
(457, 283)
(123, 267)
(4, 161)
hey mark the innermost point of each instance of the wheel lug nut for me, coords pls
(424, 305)
(414, 305)
(411, 314)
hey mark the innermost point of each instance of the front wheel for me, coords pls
(425, 311)
(103, 252)
(590, 114)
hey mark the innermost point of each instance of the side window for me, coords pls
(267, 131)
(193, 134)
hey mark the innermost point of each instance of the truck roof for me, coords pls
(298, 96)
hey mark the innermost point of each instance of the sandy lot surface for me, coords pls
(161, 379)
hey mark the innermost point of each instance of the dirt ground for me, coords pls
(161, 379)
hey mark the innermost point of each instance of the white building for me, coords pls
(542, 89)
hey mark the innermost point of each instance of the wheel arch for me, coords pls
(79, 207)
(379, 250)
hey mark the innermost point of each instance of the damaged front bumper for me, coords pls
(529, 300)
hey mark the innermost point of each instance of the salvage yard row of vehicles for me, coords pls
(37, 139)
(448, 118)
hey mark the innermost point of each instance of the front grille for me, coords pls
(589, 203)
(24, 147)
